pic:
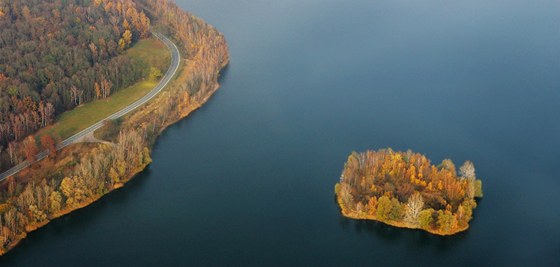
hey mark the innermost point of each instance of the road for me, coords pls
(175, 62)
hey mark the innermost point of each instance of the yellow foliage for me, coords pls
(375, 182)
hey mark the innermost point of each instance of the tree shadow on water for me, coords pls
(412, 238)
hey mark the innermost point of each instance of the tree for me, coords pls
(371, 205)
(425, 218)
(114, 176)
(144, 25)
(347, 200)
(127, 38)
(396, 213)
(37, 214)
(67, 187)
(360, 208)
(155, 73)
(48, 143)
(413, 207)
(12, 152)
(30, 148)
(97, 90)
(467, 170)
(449, 165)
(106, 86)
(464, 212)
(146, 159)
(122, 44)
(462, 217)
(55, 200)
(478, 188)
(383, 208)
(446, 221)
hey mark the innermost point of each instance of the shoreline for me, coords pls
(183, 75)
(34, 227)
(402, 225)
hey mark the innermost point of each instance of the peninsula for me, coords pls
(404, 189)
(107, 88)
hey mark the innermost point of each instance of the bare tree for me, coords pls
(467, 170)
(74, 95)
(12, 150)
(413, 207)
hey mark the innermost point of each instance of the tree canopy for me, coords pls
(405, 189)
(56, 55)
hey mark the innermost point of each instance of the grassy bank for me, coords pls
(146, 53)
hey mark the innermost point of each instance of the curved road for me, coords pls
(175, 60)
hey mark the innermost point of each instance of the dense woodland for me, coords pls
(56, 55)
(79, 174)
(405, 189)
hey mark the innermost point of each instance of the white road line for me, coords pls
(171, 71)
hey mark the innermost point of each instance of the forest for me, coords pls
(404, 189)
(56, 55)
(82, 173)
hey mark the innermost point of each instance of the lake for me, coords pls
(249, 178)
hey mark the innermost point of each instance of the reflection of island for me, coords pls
(404, 189)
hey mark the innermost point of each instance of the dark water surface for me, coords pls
(248, 179)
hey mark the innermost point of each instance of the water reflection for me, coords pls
(415, 237)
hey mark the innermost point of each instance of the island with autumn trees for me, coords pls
(64, 62)
(404, 189)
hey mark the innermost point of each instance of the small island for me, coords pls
(404, 189)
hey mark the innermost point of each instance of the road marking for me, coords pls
(171, 71)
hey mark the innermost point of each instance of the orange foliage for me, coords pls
(371, 175)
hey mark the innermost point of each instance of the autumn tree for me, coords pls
(115, 178)
(383, 208)
(425, 218)
(413, 207)
(98, 93)
(48, 143)
(30, 148)
(127, 39)
(371, 205)
(37, 214)
(396, 213)
(155, 73)
(478, 188)
(405, 187)
(449, 165)
(346, 196)
(44, 74)
(446, 221)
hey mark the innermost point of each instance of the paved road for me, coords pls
(175, 60)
